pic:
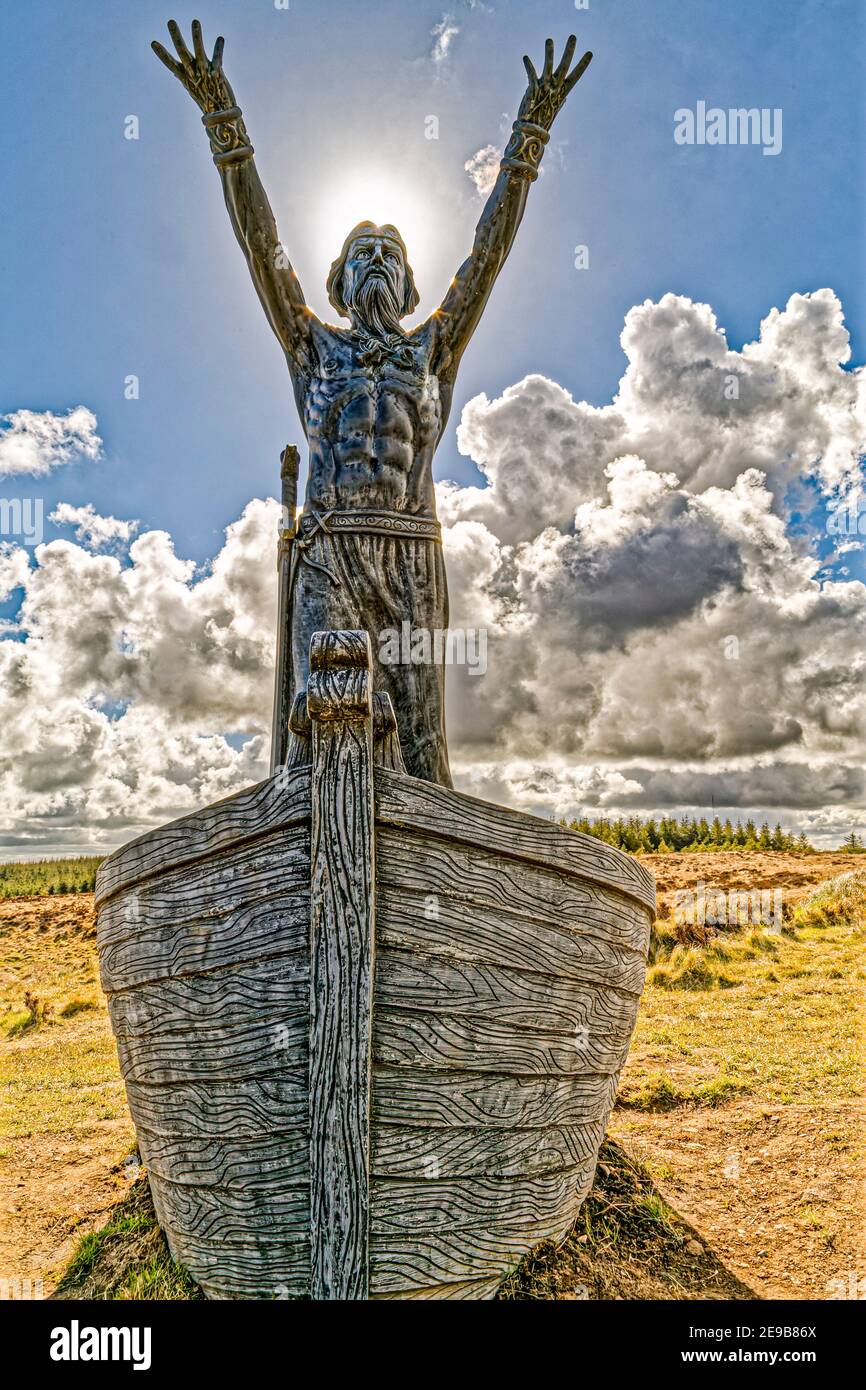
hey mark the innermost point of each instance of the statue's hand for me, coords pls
(546, 94)
(202, 77)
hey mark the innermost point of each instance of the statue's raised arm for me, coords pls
(250, 212)
(463, 305)
(373, 401)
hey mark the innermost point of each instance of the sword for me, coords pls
(284, 684)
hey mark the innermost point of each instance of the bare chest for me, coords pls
(365, 386)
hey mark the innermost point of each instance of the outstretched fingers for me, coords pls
(530, 70)
(565, 62)
(578, 72)
(548, 57)
(198, 44)
(217, 60)
(183, 53)
(166, 58)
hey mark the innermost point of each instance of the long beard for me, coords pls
(376, 305)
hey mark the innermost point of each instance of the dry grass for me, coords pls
(127, 1259)
(64, 1123)
(747, 1057)
(778, 1016)
(838, 903)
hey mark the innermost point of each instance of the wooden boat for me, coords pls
(370, 1028)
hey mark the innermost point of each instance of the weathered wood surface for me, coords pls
(519, 998)
(462, 1252)
(434, 866)
(244, 994)
(231, 1107)
(342, 907)
(469, 1289)
(476, 1151)
(240, 1215)
(488, 936)
(506, 969)
(279, 1268)
(408, 1208)
(161, 954)
(273, 804)
(415, 1240)
(446, 1098)
(387, 752)
(204, 892)
(271, 1161)
(248, 907)
(469, 1044)
(398, 1210)
(424, 806)
(256, 1050)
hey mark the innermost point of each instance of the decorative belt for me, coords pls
(366, 521)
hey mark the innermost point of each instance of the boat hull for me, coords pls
(509, 960)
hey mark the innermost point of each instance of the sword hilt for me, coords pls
(289, 465)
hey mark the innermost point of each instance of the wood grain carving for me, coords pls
(328, 1112)
(341, 962)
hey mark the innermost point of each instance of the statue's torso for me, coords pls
(373, 416)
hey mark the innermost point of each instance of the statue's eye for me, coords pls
(362, 254)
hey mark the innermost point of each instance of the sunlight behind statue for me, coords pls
(374, 400)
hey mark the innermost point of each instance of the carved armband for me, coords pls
(228, 137)
(525, 148)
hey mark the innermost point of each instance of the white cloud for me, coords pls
(632, 542)
(483, 168)
(659, 635)
(14, 569)
(95, 530)
(443, 34)
(33, 442)
(126, 679)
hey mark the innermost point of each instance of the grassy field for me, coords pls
(64, 1125)
(743, 1092)
(735, 1161)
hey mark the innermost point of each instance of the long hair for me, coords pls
(334, 283)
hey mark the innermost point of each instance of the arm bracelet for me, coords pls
(228, 137)
(525, 148)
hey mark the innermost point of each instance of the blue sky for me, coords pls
(119, 260)
(620, 548)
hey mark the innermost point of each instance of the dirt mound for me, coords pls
(127, 1259)
(627, 1243)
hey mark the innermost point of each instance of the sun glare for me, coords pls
(378, 196)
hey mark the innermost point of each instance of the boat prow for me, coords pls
(371, 1029)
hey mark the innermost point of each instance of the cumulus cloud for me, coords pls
(660, 635)
(33, 442)
(126, 678)
(483, 168)
(14, 569)
(654, 614)
(97, 531)
(687, 404)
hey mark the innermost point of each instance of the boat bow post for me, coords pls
(342, 947)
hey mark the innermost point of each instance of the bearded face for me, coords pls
(374, 284)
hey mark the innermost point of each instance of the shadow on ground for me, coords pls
(627, 1243)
